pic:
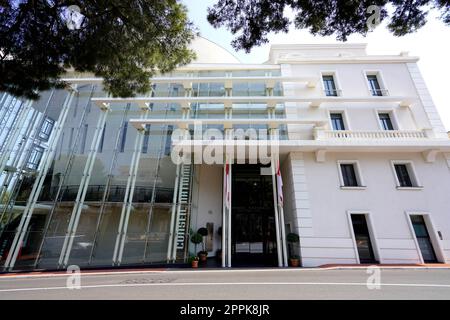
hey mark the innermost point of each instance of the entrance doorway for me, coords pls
(362, 239)
(252, 218)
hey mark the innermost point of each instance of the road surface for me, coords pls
(256, 284)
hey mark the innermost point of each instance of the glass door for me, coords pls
(423, 238)
(253, 220)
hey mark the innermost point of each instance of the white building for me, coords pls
(364, 160)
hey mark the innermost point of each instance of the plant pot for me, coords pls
(202, 257)
(294, 262)
(194, 264)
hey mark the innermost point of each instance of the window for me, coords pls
(329, 85)
(337, 121)
(146, 139)
(123, 137)
(35, 157)
(168, 145)
(61, 146)
(71, 138)
(46, 128)
(374, 85)
(405, 175)
(102, 139)
(350, 174)
(83, 139)
(385, 121)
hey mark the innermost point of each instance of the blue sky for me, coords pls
(431, 44)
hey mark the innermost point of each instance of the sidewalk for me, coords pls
(181, 270)
(387, 266)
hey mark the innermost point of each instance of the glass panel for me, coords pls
(136, 234)
(427, 249)
(10, 220)
(105, 239)
(83, 241)
(54, 238)
(385, 120)
(403, 175)
(158, 236)
(349, 175)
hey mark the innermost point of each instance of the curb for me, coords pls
(216, 270)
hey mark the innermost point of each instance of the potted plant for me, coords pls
(196, 238)
(203, 254)
(292, 238)
(193, 261)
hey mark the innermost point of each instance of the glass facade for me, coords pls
(80, 185)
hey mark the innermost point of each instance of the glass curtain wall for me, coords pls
(96, 233)
(61, 167)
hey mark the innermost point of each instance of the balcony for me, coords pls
(321, 134)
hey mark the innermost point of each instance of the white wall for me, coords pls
(351, 79)
(208, 202)
(330, 240)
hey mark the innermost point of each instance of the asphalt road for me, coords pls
(235, 284)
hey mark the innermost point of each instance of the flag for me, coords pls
(227, 186)
(279, 185)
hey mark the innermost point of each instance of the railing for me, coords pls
(369, 135)
(116, 193)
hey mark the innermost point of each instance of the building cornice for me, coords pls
(313, 46)
(298, 59)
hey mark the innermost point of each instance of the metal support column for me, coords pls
(273, 163)
(76, 212)
(129, 193)
(277, 218)
(283, 235)
(229, 216)
(224, 219)
(172, 215)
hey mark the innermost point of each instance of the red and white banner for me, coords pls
(279, 185)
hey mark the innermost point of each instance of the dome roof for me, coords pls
(210, 52)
